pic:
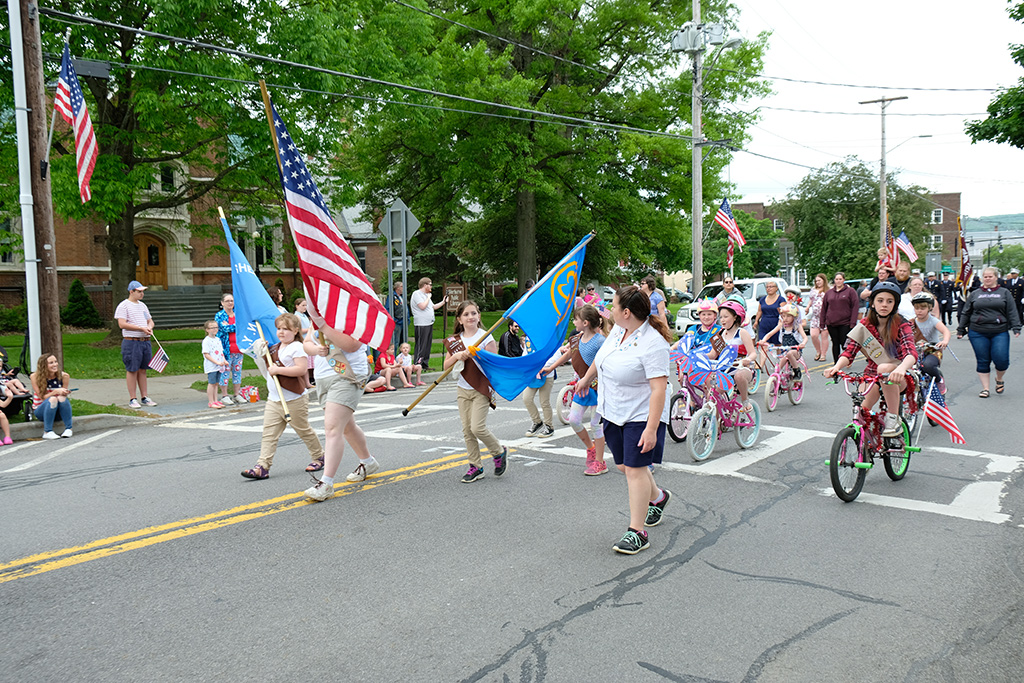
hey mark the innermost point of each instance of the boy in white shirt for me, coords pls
(214, 363)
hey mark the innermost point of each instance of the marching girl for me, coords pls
(474, 391)
(583, 347)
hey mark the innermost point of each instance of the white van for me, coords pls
(751, 290)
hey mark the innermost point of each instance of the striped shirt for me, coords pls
(133, 313)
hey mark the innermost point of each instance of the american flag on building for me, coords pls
(904, 245)
(71, 105)
(935, 408)
(336, 287)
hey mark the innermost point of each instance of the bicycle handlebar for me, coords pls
(867, 379)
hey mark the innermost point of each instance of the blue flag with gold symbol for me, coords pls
(253, 305)
(544, 313)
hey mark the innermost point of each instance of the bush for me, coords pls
(488, 302)
(14, 319)
(80, 311)
(509, 295)
(292, 297)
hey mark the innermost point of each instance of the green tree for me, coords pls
(835, 211)
(80, 310)
(512, 191)
(1012, 256)
(1005, 122)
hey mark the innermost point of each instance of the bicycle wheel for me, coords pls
(771, 393)
(847, 480)
(896, 464)
(755, 380)
(679, 417)
(748, 426)
(565, 403)
(796, 386)
(702, 434)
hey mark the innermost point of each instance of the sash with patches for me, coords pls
(471, 372)
(296, 385)
(871, 347)
(578, 364)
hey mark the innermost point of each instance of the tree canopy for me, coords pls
(1005, 122)
(835, 215)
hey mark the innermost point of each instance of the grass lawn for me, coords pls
(80, 408)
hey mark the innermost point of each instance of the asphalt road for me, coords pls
(140, 554)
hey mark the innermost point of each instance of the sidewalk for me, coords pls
(174, 396)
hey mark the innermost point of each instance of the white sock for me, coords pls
(368, 461)
(327, 481)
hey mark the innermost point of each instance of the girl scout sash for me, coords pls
(471, 372)
(871, 347)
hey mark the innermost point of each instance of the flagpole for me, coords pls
(266, 348)
(53, 121)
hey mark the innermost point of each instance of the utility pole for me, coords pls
(42, 199)
(881, 174)
(697, 198)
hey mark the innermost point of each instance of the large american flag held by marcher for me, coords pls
(71, 105)
(904, 245)
(725, 218)
(335, 285)
(935, 408)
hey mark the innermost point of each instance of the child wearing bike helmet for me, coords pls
(793, 294)
(887, 342)
(581, 350)
(707, 313)
(731, 315)
(929, 331)
(791, 334)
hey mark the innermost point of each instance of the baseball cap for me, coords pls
(135, 284)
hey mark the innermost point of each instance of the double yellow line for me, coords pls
(113, 545)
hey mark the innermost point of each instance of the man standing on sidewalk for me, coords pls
(136, 327)
(423, 309)
(397, 311)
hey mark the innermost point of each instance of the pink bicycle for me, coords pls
(720, 412)
(783, 379)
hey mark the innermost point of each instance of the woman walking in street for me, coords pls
(232, 354)
(631, 368)
(819, 335)
(767, 312)
(988, 315)
(839, 309)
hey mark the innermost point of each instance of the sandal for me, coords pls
(258, 472)
(315, 466)
(983, 394)
(1000, 385)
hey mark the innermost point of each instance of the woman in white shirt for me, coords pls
(632, 376)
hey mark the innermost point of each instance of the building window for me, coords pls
(936, 216)
(360, 253)
(167, 179)
(801, 278)
(7, 241)
(935, 241)
(778, 224)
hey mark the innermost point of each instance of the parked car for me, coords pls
(607, 293)
(751, 290)
(677, 295)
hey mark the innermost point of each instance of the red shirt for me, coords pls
(232, 346)
(385, 359)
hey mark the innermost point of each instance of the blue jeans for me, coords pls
(990, 348)
(47, 413)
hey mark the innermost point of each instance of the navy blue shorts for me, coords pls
(213, 377)
(136, 353)
(622, 442)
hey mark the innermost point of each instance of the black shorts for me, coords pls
(622, 442)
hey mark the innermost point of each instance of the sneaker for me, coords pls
(134, 404)
(632, 542)
(148, 402)
(67, 434)
(892, 425)
(50, 435)
(225, 401)
(363, 471)
(535, 429)
(257, 472)
(655, 511)
(239, 399)
(472, 474)
(797, 374)
(546, 431)
(501, 462)
(594, 466)
(216, 405)
(320, 491)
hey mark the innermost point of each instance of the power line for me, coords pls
(852, 85)
(363, 79)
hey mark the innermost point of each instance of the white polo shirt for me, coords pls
(624, 368)
(421, 317)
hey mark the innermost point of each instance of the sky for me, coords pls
(898, 44)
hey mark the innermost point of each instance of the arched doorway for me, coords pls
(151, 260)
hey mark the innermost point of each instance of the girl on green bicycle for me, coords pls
(887, 343)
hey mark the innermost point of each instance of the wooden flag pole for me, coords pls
(266, 352)
(448, 371)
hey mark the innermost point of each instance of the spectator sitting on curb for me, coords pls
(50, 385)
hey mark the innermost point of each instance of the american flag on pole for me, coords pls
(336, 287)
(904, 245)
(935, 408)
(730, 252)
(725, 218)
(159, 360)
(892, 253)
(71, 105)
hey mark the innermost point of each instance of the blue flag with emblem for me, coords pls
(253, 306)
(543, 313)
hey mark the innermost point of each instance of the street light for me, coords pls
(693, 39)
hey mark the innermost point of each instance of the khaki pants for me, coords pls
(274, 424)
(545, 401)
(473, 407)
